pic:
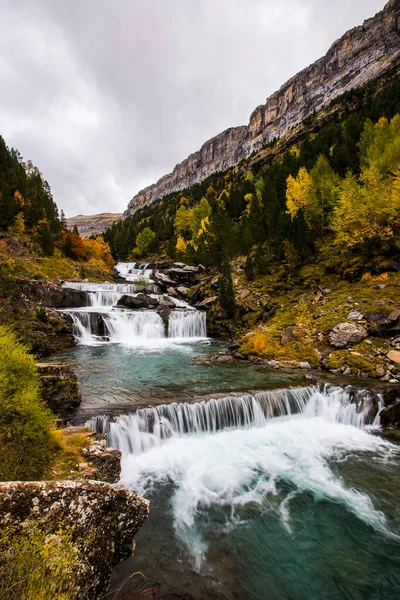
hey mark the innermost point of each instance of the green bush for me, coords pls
(37, 565)
(26, 440)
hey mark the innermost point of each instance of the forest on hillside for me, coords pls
(334, 197)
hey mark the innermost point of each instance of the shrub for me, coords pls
(25, 423)
(36, 565)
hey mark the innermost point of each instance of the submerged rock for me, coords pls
(101, 518)
(347, 334)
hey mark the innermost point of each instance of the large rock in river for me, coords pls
(59, 388)
(101, 518)
(347, 334)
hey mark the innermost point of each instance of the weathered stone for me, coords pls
(207, 303)
(185, 275)
(182, 291)
(288, 364)
(107, 462)
(362, 55)
(355, 315)
(102, 519)
(162, 279)
(346, 334)
(394, 356)
(304, 365)
(59, 389)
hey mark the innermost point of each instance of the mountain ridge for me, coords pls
(360, 56)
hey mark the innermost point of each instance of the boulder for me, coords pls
(137, 302)
(347, 334)
(101, 518)
(59, 389)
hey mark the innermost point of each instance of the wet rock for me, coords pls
(346, 334)
(390, 415)
(106, 462)
(138, 302)
(166, 303)
(101, 518)
(217, 357)
(59, 389)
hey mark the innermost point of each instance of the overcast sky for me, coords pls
(106, 96)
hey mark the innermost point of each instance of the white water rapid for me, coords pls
(101, 322)
(231, 452)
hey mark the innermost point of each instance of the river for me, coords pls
(261, 487)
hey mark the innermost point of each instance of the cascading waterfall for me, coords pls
(130, 272)
(187, 324)
(124, 327)
(104, 298)
(150, 427)
(118, 326)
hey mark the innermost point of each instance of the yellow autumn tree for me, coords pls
(368, 213)
(315, 192)
(181, 245)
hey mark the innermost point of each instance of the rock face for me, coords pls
(60, 389)
(106, 462)
(103, 520)
(93, 224)
(360, 56)
(347, 334)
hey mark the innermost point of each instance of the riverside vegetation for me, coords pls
(42, 554)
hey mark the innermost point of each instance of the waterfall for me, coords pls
(124, 327)
(150, 427)
(187, 324)
(117, 327)
(104, 298)
(129, 271)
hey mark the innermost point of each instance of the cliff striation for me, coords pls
(362, 55)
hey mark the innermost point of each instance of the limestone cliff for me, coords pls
(92, 224)
(362, 55)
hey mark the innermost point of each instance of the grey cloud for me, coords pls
(105, 97)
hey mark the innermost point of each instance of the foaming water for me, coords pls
(130, 272)
(187, 324)
(232, 469)
(153, 426)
